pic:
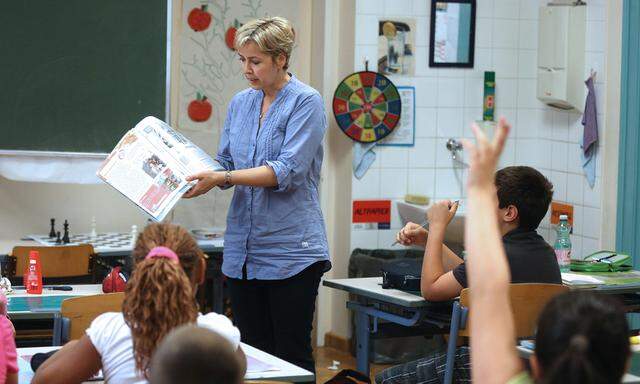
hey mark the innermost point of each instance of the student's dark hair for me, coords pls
(159, 296)
(194, 355)
(526, 189)
(582, 338)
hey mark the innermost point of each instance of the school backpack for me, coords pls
(115, 281)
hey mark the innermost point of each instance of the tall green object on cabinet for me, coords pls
(77, 74)
(628, 215)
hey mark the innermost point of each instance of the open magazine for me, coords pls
(149, 166)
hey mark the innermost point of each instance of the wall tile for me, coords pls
(596, 33)
(574, 189)
(560, 126)
(590, 246)
(592, 196)
(449, 184)
(368, 187)
(403, 8)
(426, 122)
(527, 89)
(528, 34)
(504, 33)
(506, 9)
(529, 10)
(525, 153)
(426, 92)
(392, 157)
(574, 158)
(529, 123)
(422, 154)
(422, 182)
(484, 8)
(450, 92)
(576, 247)
(421, 7)
(362, 52)
(578, 219)
(484, 33)
(366, 239)
(482, 63)
(369, 7)
(559, 156)
(393, 183)
(450, 122)
(591, 222)
(473, 91)
(527, 64)
(506, 93)
(559, 180)
(443, 156)
(367, 30)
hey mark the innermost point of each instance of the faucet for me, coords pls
(454, 146)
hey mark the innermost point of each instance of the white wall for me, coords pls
(447, 100)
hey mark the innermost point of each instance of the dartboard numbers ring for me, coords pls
(366, 106)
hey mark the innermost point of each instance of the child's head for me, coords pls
(582, 337)
(194, 355)
(528, 191)
(161, 292)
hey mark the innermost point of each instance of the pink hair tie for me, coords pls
(162, 252)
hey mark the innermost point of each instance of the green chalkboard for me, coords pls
(76, 74)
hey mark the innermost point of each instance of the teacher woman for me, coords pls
(275, 244)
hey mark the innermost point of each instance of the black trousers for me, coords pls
(276, 316)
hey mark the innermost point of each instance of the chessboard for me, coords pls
(102, 242)
(114, 242)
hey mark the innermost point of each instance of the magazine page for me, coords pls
(149, 166)
(164, 138)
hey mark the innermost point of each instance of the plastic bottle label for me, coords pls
(564, 257)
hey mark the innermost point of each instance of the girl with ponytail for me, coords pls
(582, 337)
(160, 296)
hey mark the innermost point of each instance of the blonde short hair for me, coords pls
(273, 36)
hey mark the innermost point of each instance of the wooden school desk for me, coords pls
(23, 306)
(260, 366)
(419, 316)
(213, 248)
(422, 317)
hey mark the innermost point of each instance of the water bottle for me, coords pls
(562, 246)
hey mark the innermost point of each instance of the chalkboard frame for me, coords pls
(102, 155)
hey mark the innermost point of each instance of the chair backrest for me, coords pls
(82, 310)
(527, 301)
(57, 261)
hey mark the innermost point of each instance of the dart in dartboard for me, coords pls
(366, 106)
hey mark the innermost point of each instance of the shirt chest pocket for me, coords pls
(275, 140)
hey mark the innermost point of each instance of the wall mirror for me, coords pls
(452, 33)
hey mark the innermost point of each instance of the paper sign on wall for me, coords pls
(372, 211)
(558, 209)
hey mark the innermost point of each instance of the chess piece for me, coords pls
(134, 235)
(65, 238)
(52, 232)
(58, 240)
(94, 234)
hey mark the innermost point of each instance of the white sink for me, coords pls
(418, 214)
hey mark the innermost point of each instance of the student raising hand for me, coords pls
(493, 354)
(484, 155)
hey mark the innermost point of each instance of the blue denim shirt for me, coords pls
(277, 231)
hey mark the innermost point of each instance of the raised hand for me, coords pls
(484, 155)
(441, 213)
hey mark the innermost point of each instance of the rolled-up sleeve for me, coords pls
(303, 136)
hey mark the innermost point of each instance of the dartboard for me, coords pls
(366, 106)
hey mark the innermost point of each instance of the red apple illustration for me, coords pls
(199, 18)
(230, 35)
(199, 110)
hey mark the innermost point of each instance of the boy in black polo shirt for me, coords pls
(524, 195)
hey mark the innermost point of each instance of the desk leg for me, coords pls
(57, 330)
(362, 342)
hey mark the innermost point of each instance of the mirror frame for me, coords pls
(472, 35)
